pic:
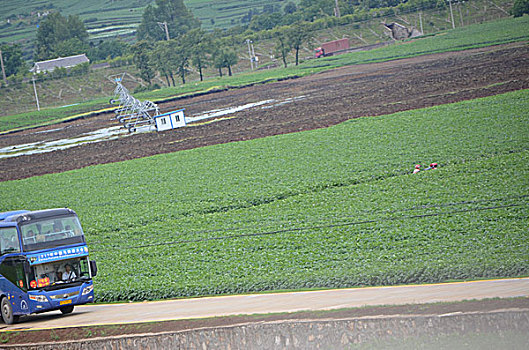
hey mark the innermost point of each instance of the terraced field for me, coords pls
(332, 207)
(111, 18)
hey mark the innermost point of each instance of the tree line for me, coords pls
(312, 10)
(195, 49)
(170, 41)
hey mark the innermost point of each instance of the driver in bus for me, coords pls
(69, 274)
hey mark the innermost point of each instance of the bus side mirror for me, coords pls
(93, 268)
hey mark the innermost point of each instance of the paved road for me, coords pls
(276, 302)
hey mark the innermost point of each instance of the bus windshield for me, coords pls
(59, 273)
(51, 233)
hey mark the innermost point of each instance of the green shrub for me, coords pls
(520, 8)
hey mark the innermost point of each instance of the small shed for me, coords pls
(170, 120)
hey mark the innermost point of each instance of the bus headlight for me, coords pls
(38, 298)
(88, 289)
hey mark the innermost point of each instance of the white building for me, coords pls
(62, 62)
(170, 120)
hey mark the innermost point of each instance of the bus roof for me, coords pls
(7, 214)
(32, 215)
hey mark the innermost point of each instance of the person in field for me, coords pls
(432, 166)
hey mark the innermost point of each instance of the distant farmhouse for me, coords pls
(61, 62)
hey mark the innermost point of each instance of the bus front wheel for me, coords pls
(7, 312)
(67, 309)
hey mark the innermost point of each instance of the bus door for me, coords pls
(13, 271)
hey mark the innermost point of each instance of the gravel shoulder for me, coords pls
(90, 332)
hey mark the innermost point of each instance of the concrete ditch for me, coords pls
(506, 328)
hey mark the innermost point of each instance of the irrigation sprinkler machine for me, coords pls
(136, 115)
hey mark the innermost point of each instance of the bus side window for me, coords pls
(9, 241)
(12, 268)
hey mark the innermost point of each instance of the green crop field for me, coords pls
(477, 35)
(227, 13)
(334, 207)
(24, 16)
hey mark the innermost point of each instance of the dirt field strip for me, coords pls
(329, 98)
(115, 314)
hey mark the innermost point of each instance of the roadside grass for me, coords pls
(473, 36)
(327, 208)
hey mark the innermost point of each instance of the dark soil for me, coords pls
(90, 332)
(330, 98)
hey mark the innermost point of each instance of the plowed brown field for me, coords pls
(325, 99)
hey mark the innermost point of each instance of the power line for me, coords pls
(361, 212)
(316, 227)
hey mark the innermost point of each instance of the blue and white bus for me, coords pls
(44, 263)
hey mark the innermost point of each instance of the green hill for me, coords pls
(92, 92)
(105, 18)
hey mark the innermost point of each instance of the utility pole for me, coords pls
(452, 14)
(3, 69)
(254, 57)
(460, 15)
(248, 41)
(420, 22)
(163, 26)
(36, 96)
(337, 9)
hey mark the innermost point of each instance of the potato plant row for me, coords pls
(335, 207)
